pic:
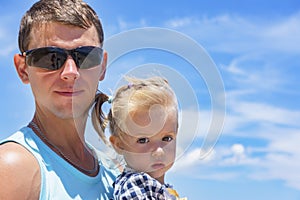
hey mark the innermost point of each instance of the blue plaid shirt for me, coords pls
(139, 186)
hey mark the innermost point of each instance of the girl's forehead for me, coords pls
(148, 125)
(153, 113)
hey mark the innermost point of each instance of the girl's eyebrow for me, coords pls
(140, 135)
(144, 135)
(171, 133)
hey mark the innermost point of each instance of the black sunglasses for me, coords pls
(53, 58)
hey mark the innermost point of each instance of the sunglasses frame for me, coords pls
(85, 57)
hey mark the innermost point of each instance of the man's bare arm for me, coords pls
(19, 173)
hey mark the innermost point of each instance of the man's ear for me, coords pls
(103, 66)
(117, 144)
(21, 67)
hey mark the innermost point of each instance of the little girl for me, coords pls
(143, 122)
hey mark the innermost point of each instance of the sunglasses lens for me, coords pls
(87, 56)
(50, 58)
(53, 58)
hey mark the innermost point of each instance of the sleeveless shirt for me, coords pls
(59, 179)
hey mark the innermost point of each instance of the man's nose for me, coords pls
(70, 71)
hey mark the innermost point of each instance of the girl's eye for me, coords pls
(167, 139)
(143, 140)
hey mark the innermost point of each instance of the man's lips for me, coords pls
(69, 93)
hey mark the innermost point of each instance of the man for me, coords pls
(62, 60)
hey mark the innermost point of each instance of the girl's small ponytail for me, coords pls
(99, 119)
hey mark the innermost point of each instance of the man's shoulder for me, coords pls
(14, 155)
(19, 172)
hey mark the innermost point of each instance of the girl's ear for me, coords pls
(117, 144)
(21, 67)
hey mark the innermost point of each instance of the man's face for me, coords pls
(67, 92)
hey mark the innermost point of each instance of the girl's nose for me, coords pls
(158, 152)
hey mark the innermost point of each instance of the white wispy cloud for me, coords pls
(123, 25)
(9, 45)
(8, 34)
(235, 34)
(281, 158)
(278, 158)
(8, 50)
(265, 113)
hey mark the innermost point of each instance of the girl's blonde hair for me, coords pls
(139, 94)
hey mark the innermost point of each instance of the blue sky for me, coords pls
(255, 48)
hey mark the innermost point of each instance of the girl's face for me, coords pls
(151, 144)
